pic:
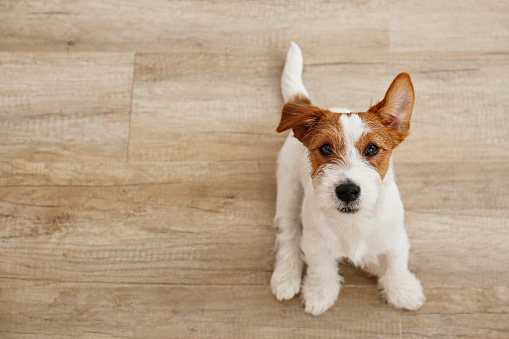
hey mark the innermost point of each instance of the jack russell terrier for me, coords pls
(335, 178)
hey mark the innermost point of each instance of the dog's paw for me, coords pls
(285, 286)
(320, 297)
(404, 292)
(318, 305)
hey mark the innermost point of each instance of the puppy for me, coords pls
(335, 178)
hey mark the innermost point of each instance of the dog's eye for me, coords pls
(371, 150)
(325, 150)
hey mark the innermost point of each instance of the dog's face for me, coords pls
(350, 152)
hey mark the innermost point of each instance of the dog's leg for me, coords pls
(322, 283)
(285, 282)
(400, 286)
(286, 279)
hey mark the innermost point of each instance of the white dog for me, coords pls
(335, 178)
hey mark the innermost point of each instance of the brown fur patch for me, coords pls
(395, 110)
(300, 98)
(388, 123)
(314, 127)
(301, 118)
(327, 131)
(380, 136)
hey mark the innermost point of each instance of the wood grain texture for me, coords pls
(216, 97)
(190, 26)
(137, 164)
(453, 26)
(72, 107)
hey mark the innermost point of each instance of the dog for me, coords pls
(337, 197)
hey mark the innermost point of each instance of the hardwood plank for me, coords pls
(462, 187)
(456, 26)
(21, 173)
(196, 311)
(70, 107)
(464, 325)
(192, 26)
(188, 312)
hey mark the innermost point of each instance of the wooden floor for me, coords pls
(137, 164)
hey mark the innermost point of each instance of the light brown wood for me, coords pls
(137, 164)
(65, 107)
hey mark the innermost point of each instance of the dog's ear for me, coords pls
(396, 108)
(301, 118)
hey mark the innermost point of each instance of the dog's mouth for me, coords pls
(348, 209)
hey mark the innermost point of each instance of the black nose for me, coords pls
(348, 192)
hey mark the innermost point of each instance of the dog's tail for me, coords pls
(292, 88)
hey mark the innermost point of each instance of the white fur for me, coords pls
(291, 80)
(372, 238)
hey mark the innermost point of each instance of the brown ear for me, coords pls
(300, 118)
(396, 108)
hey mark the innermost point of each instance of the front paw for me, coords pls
(403, 292)
(285, 285)
(319, 297)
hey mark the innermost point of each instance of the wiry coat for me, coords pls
(368, 230)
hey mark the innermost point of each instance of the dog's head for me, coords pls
(350, 152)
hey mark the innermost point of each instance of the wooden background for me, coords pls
(137, 161)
